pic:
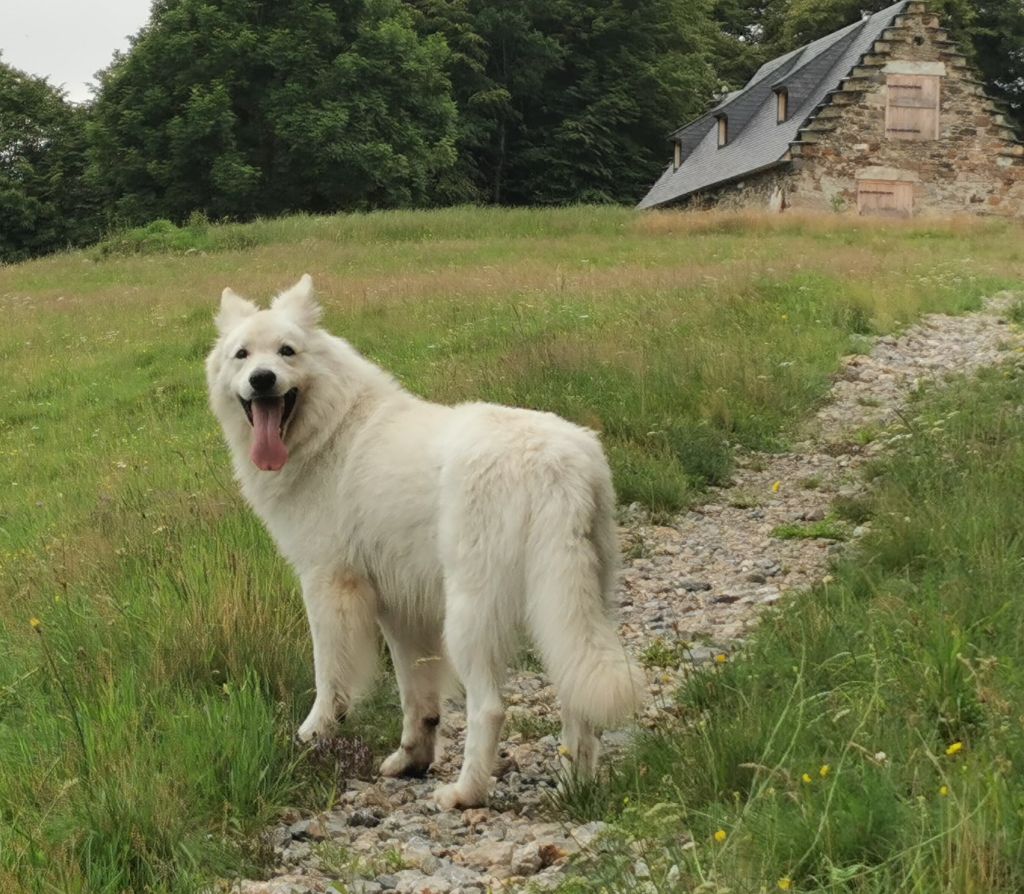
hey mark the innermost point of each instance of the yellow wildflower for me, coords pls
(562, 750)
(776, 487)
(807, 778)
(721, 658)
(785, 883)
(824, 771)
(35, 622)
(955, 748)
(943, 791)
(721, 835)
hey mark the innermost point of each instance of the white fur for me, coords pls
(453, 529)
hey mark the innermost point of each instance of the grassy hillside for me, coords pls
(145, 720)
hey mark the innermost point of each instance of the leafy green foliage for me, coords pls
(45, 201)
(999, 52)
(267, 107)
(378, 103)
(164, 237)
(826, 529)
(625, 73)
(806, 20)
(749, 33)
(570, 101)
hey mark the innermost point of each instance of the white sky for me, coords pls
(67, 41)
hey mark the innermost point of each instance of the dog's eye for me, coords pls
(241, 354)
(286, 351)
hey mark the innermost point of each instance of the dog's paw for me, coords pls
(452, 797)
(402, 763)
(316, 727)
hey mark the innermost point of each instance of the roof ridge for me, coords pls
(814, 114)
(845, 41)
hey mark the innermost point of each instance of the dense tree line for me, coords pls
(47, 199)
(238, 108)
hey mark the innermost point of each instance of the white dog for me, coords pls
(452, 528)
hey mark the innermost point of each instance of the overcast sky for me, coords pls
(68, 41)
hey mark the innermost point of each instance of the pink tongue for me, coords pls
(268, 451)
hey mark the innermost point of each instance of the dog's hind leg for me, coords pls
(342, 610)
(420, 666)
(581, 746)
(476, 646)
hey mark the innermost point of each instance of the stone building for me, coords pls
(883, 117)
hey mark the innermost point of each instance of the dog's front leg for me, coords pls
(341, 609)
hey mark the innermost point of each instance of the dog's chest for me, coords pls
(302, 518)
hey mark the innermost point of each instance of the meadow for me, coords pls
(155, 657)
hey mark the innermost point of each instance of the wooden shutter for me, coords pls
(885, 198)
(912, 111)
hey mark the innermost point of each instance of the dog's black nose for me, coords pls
(262, 380)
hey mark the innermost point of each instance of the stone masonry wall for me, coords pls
(976, 165)
(756, 191)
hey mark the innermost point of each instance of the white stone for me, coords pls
(488, 853)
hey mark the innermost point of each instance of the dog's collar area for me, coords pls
(290, 398)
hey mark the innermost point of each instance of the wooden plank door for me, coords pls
(885, 198)
(912, 109)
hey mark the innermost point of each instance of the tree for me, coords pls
(46, 202)
(499, 60)
(630, 71)
(748, 31)
(998, 38)
(807, 20)
(245, 107)
(572, 100)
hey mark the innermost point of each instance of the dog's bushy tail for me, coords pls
(570, 581)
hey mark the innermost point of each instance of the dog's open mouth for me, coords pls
(269, 418)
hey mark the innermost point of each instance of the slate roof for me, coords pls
(756, 140)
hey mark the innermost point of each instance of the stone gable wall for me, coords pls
(976, 165)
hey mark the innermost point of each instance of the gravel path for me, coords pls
(690, 592)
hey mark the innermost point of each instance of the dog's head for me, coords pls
(260, 368)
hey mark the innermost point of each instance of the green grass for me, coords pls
(529, 725)
(862, 684)
(826, 529)
(745, 500)
(172, 635)
(855, 510)
(664, 653)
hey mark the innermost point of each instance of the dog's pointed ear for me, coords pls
(233, 309)
(300, 303)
